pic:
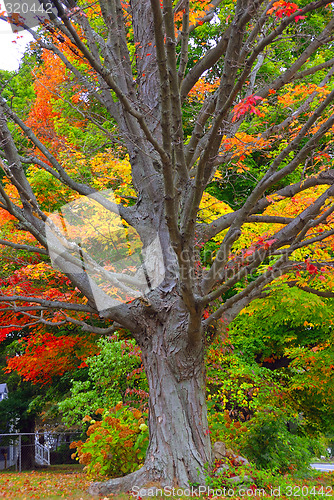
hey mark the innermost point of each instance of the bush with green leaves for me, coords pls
(290, 332)
(116, 445)
(237, 389)
(115, 374)
(259, 483)
(270, 445)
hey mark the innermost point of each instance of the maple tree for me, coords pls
(135, 69)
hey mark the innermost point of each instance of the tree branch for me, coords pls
(48, 304)
(320, 293)
(27, 248)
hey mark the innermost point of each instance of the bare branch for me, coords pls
(177, 122)
(48, 304)
(86, 327)
(208, 231)
(309, 241)
(320, 293)
(269, 219)
(27, 248)
(184, 42)
(243, 298)
(164, 80)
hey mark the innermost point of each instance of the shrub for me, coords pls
(115, 374)
(116, 445)
(249, 478)
(270, 445)
(223, 428)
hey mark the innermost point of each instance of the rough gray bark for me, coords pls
(179, 446)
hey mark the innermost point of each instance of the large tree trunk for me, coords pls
(179, 438)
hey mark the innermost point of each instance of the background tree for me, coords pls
(131, 70)
(16, 413)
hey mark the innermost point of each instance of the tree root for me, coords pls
(139, 479)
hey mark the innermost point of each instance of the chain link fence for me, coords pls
(26, 451)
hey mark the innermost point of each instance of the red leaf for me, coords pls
(247, 105)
